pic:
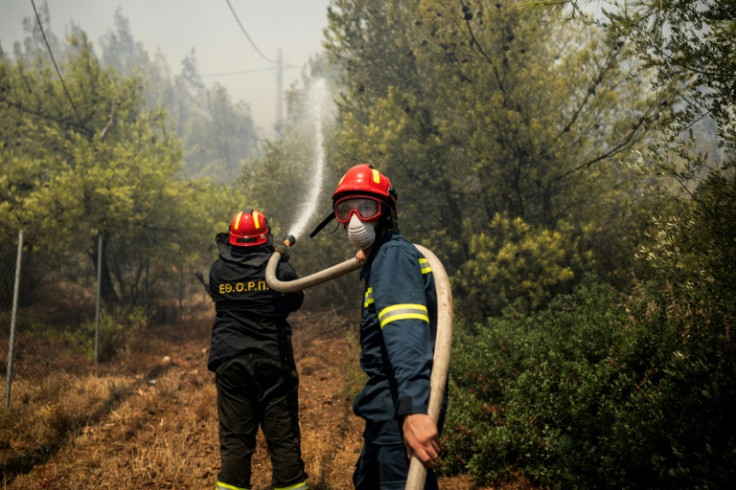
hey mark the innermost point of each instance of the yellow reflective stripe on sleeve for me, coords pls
(402, 312)
(225, 486)
(424, 265)
(298, 486)
(368, 300)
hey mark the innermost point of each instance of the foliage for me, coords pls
(218, 144)
(691, 41)
(493, 103)
(530, 388)
(694, 247)
(82, 157)
(597, 391)
(602, 391)
(118, 329)
(519, 266)
(217, 134)
(489, 108)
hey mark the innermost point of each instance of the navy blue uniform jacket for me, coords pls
(397, 337)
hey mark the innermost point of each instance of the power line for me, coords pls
(53, 60)
(243, 72)
(237, 72)
(246, 34)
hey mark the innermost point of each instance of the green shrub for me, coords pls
(119, 327)
(539, 386)
(687, 405)
(597, 391)
(526, 266)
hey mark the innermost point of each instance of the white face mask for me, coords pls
(361, 235)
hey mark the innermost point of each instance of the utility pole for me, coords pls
(279, 94)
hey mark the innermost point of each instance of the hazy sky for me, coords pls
(176, 26)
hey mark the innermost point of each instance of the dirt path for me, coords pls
(163, 432)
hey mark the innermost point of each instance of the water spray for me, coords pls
(317, 110)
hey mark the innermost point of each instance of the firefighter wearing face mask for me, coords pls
(251, 355)
(398, 329)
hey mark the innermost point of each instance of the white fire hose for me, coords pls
(443, 343)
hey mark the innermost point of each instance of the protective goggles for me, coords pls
(367, 208)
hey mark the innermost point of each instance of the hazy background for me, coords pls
(224, 53)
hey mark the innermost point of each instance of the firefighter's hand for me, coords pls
(362, 254)
(421, 438)
(284, 251)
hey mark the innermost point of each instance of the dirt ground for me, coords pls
(162, 433)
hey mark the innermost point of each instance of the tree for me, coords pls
(687, 40)
(217, 134)
(121, 51)
(491, 108)
(691, 42)
(218, 144)
(84, 158)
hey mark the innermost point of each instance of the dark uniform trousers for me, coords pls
(255, 391)
(384, 467)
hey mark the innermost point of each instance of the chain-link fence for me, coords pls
(54, 317)
(80, 330)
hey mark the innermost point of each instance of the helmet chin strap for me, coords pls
(392, 216)
(324, 223)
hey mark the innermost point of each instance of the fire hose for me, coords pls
(443, 343)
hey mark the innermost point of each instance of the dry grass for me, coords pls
(148, 420)
(49, 410)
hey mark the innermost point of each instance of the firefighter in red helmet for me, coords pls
(397, 332)
(252, 358)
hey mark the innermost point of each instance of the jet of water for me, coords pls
(318, 109)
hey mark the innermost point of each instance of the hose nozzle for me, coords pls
(290, 240)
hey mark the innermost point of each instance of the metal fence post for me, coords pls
(181, 286)
(14, 315)
(97, 300)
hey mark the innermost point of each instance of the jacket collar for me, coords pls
(384, 238)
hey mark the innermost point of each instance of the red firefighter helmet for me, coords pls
(363, 179)
(249, 228)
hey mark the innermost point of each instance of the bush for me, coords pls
(527, 266)
(597, 391)
(119, 327)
